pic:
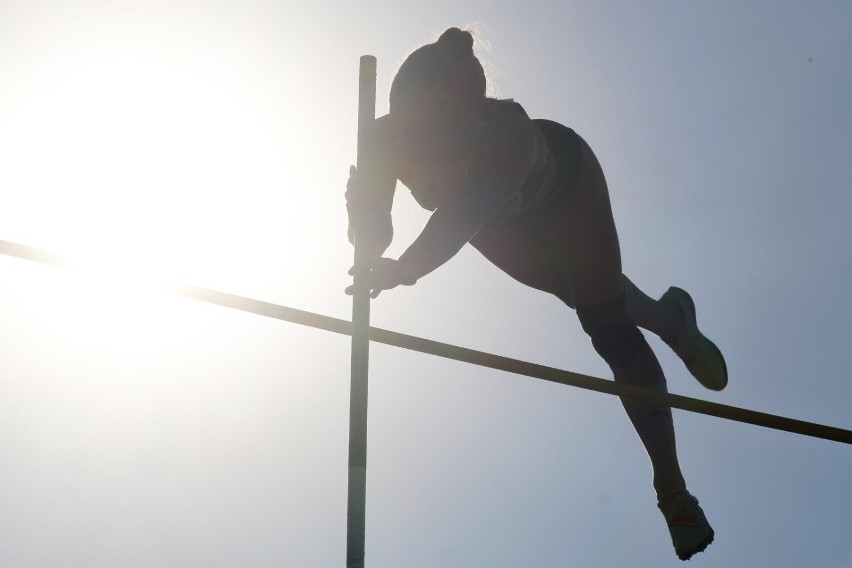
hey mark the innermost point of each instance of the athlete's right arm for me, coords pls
(370, 190)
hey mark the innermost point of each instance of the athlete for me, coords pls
(530, 195)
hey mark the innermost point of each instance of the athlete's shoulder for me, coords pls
(506, 120)
(508, 140)
(505, 107)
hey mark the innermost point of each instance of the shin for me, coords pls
(620, 343)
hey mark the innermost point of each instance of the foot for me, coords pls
(691, 533)
(700, 355)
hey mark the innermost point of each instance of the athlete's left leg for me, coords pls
(581, 231)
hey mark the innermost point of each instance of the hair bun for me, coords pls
(457, 42)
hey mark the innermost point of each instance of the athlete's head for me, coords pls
(439, 80)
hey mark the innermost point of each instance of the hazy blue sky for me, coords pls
(209, 142)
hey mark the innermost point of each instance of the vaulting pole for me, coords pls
(355, 516)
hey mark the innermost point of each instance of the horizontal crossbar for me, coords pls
(472, 356)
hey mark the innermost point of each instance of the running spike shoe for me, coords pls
(690, 531)
(700, 355)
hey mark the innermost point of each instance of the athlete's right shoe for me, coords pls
(691, 533)
(699, 354)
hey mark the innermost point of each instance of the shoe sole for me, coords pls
(685, 296)
(700, 548)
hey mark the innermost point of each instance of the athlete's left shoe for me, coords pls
(691, 533)
(699, 354)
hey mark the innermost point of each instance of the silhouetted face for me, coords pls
(428, 128)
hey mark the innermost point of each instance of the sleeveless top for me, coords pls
(430, 184)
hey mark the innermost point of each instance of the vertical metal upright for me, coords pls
(355, 516)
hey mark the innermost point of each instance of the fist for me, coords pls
(382, 274)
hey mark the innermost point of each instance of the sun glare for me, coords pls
(155, 168)
(116, 159)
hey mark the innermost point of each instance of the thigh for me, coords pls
(519, 251)
(580, 233)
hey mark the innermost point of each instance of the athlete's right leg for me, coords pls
(517, 250)
(520, 252)
(660, 318)
(524, 257)
(672, 318)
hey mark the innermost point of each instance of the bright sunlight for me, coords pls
(159, 161)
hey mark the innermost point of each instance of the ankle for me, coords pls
(675, 323)
(669, 490)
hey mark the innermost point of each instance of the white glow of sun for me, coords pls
(158, 169)
(127, 162)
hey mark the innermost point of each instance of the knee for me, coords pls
(614, 335)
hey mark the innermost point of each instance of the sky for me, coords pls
(209, 143)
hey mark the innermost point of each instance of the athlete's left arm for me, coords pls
(502, 162)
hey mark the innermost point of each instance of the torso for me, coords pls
(430, 180)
